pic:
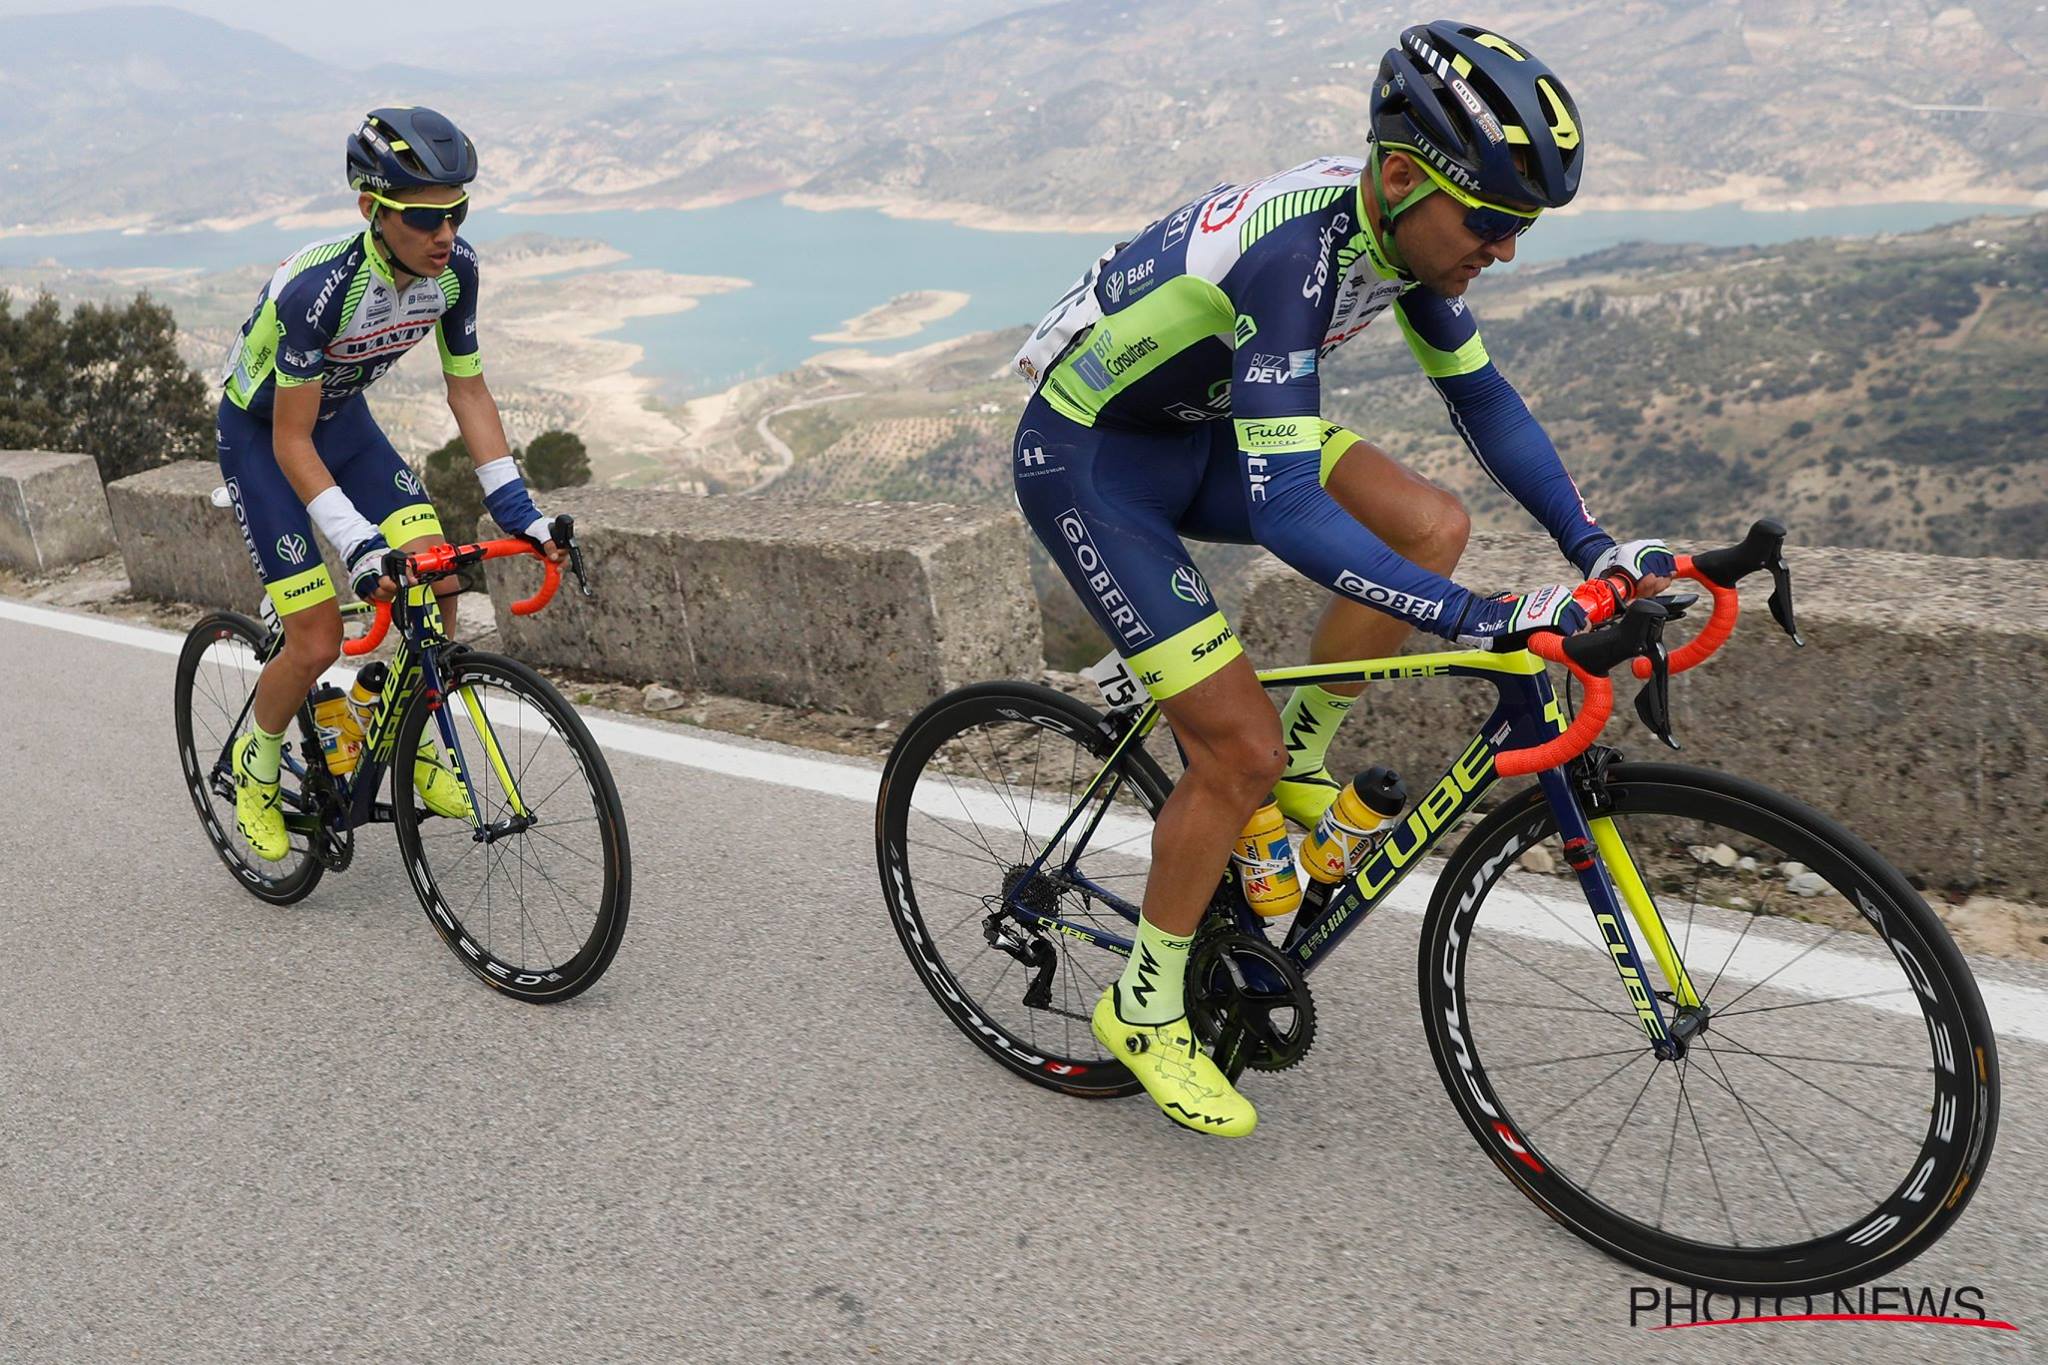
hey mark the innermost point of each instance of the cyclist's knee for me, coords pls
(313, 640)
(1242, 763)
(1442, 527)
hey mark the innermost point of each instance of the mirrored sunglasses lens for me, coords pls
(430, 219)
(1492, 225)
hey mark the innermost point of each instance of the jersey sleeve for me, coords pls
(1494, 422)
(307, 317)
(456, 331)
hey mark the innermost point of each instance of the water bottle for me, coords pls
(1341, 839)
(1264, 858)
(363, 695)
(330, 719)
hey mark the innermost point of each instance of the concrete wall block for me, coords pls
(982, 597)
(1911, 715)
(53, 511)
(179, 547)
(874, 608)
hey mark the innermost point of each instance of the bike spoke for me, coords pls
(1636, 1056)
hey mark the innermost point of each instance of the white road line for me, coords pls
(2016, 1011)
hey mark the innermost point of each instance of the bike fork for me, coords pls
(1594, 849)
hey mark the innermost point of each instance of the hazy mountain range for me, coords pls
(154, 116)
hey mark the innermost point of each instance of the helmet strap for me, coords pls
(377, 235)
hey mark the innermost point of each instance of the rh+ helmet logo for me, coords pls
(292, 549)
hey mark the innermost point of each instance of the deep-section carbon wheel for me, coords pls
(531, 893)
(977, 783)
(1837, 1098)
(217, 671)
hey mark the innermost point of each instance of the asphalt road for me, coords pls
(230, 1132)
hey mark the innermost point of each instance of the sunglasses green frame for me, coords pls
(1487, 222)
(425, 217)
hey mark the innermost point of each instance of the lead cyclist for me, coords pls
(1177, 394)
(298, 444)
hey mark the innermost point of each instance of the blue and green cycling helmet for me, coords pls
(408, 149)
(1480, 111)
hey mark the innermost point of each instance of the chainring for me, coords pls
(1248, 1002)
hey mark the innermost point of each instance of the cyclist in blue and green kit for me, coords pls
(1177, 393)
(299, 447)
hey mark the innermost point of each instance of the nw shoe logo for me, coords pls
(292, 549)
(1148, 967)
(1301, 732)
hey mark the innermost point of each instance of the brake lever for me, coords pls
(563, 532)
(1653, 701)
(1781, 598)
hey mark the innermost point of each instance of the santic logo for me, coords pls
(407, 482)
(1189, 587)
(292, 549)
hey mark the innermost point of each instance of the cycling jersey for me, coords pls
(1223, 311)
(334, 312)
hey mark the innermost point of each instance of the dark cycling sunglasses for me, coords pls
(425, 217)
(1487, 222)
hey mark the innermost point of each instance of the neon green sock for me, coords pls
(1308, 723)
(1152, 989)
(262, 758)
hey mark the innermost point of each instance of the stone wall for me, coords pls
(180, 547)
(874, 608)
(1916, 712)
(52, 511)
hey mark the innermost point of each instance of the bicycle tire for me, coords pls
(1961, 1121)
(533, 981)
(1076, 1065)
(301, 871)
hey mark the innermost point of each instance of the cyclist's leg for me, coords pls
(279, 535)
(1107, 506)
(1108, 525)
(386, 491)
(1419, 521)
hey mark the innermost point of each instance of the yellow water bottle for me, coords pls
(1264, 858)
(330, 719)
(363, 696)
(1343, 836)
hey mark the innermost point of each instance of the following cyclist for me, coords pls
(1177, 394)
(299, 447)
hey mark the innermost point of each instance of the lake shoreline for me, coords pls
(1752, 194)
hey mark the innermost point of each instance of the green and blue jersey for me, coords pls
(333, 312)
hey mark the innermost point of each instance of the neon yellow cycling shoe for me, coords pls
(1303, 798)
(259, 810)
(439, 783)
(1187, 1086)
